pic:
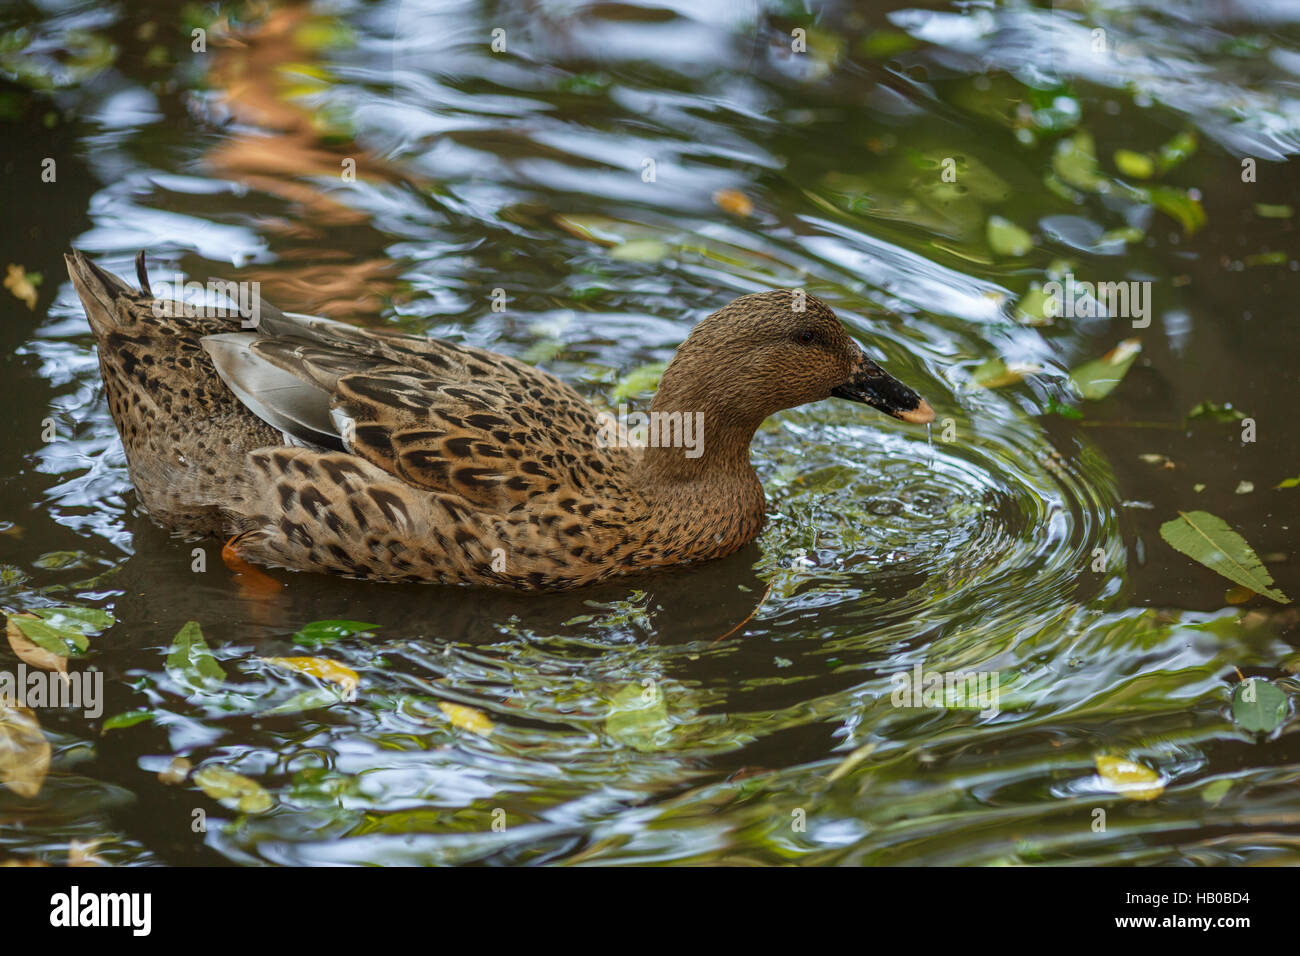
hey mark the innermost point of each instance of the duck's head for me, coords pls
(775, 350)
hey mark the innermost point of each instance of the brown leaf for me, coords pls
(24, 751)
(176, 771)
(82, 853)
(31, 653)
(16, 281)
(734, 202)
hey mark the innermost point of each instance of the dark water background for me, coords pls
(886, 548)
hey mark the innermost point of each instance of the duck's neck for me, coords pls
(705, 499)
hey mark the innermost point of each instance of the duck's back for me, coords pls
(328, 447)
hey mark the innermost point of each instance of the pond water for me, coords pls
(619, 170)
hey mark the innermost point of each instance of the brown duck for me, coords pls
(325, 447)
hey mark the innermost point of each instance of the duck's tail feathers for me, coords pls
(100, 292)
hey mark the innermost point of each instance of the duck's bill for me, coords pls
(873, 386)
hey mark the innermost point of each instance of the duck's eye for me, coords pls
(807, 336)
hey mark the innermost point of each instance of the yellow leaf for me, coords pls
(467, 718)
(322, 668)
(734, 202)
(24, 751)
(1129, 778)
(82, 853)
(233, 790)
(16, 281)
(31, 653)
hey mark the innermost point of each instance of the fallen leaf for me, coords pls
(851, 761)
(21, 285)
(1097, 379)
(1006, 238)
(128, 719)
(734, 202)
(995, 373)
(1287, 483)
(233, 790)
(1129, 778)
(1208, 539)
(63, 630)
(635, 721)
(24, 751)
(467, 718)
(176, 771)
(31, 653)
(1258, 706)
(322, 668)
(190, 662)
(1136, 165)
(1238, 594)
(1215, 412)
(323, 632)
(82, 853)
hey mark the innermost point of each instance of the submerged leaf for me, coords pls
(322, 632)
(190, 662)
(467, 718)
(1006, 238)
(322, 668)
(24, 751)
(734, 202)
(1259, 706)
(637, 716)
(1208, 539)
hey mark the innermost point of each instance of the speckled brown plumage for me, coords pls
(327, 447)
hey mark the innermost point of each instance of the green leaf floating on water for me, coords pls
(1097, 379)
(1259, 706)
(233, 790)
(128, 719)
(1287, 483)
(637, 716)
(63, 630)
(322, 632)
(1208, 539)
(1180, 205)
(1214, 412)
(1006, 238)
(1137, 165)
(190, 662)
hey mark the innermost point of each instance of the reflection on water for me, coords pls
(589, 167)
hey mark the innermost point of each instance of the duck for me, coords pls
(314, 445)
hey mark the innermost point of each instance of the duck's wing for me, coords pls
(439, 416)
